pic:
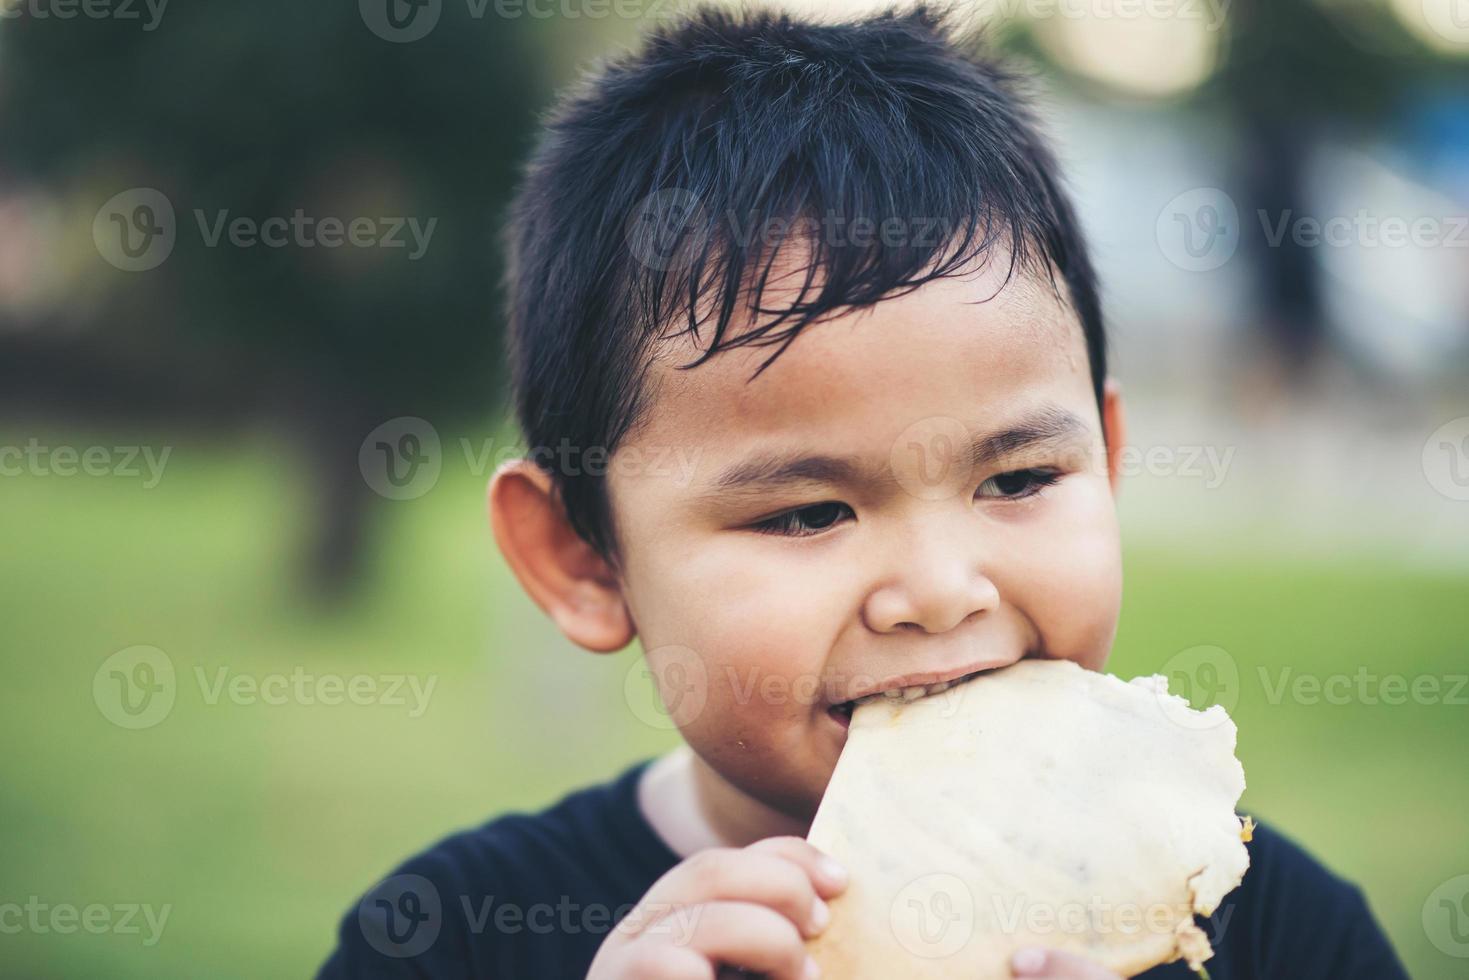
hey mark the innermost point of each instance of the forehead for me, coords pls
(973, 346)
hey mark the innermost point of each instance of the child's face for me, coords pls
(902, 563)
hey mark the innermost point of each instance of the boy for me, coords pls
(832, 266)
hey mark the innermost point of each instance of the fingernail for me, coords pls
(833, 870)
(1028, 962)
(810, 971)
(820, 916)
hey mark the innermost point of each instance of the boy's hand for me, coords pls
(1052, 964)
(751, 907)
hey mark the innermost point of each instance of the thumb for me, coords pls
(1053, 964)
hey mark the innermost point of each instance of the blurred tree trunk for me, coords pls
(1290, 72)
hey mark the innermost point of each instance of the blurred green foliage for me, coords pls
(272, 111)
(263, 108)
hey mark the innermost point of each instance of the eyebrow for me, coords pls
(770, 471)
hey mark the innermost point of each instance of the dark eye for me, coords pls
(1017, 484)
(804, 521)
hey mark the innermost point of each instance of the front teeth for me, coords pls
(910, 693)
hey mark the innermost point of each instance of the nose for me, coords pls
(938, 586)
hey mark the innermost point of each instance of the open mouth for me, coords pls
(842, 713)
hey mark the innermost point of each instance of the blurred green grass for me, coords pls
(260, 824)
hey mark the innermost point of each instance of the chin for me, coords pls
(768, 777)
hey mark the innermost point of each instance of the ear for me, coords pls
(1114, 426)
(561, 573)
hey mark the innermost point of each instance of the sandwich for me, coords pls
(1041, 804)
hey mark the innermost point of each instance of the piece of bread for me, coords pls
(1040, 804)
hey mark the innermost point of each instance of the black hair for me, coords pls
(635, 210)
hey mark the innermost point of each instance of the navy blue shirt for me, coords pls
(534, 895)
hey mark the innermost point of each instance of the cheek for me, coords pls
(1069, 584)
(759, 629)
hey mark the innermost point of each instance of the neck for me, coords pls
(693, 808)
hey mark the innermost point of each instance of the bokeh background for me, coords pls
(240, 478)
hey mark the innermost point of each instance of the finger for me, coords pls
(826, 872)
(727, 874)
(1053, 964)
(660, 961)
(752, 937)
